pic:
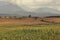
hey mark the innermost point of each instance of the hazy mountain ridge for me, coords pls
(47, 12)
(14, 10)
(7, 7)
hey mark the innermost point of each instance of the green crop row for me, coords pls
(50, 34)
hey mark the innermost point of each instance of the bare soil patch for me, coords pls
(6, 21)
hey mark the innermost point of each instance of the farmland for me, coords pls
(28, 21)
(42, 32)
(29, 29)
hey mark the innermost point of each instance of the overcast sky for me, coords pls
(34, 4)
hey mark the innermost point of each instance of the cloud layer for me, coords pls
(34, 4)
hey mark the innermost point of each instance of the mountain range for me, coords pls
(8, 9)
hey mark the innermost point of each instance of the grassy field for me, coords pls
(30, 32)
